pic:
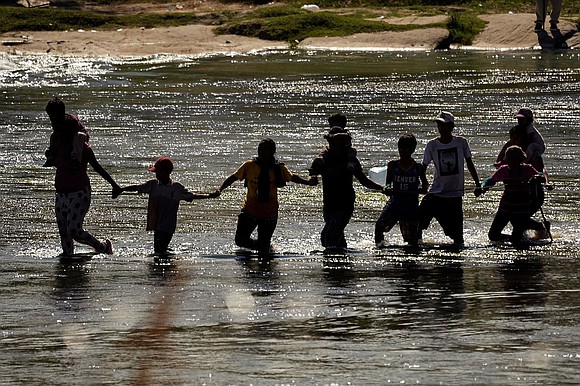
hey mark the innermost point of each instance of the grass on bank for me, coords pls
(56, 19)
(293, 24)
(570, 7)
(464, 27)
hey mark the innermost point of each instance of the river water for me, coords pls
(487, 314)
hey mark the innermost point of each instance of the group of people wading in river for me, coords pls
(519, 166)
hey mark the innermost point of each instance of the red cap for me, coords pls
(162, 164)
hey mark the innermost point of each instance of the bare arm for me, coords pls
(501, 155)
(312, 181)
(365, 181)
(471, 167)
(390, 173)
(472, 171)
(130, 188)
(99, 169)
(227, 182)
(200, 196)
(424, 184)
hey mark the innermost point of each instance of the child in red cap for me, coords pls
(164, 197)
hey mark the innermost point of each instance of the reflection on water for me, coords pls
(482, 315)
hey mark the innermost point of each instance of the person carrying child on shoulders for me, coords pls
(515, 206)
(526, 136)
(72, 182)
(64, 125)
(262, 177)
(405, 180)
(337, 130)
(338, 165)
(164, 197)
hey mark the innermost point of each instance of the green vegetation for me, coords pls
(45, 19)
(463, 27)
(292, 24)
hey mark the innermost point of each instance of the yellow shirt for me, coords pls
(250, 171)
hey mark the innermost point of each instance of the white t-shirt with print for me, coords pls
(448, 159)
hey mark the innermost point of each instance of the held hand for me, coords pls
(116, 191)
(478, 191)
(215, 194)
(387, 191)
(313, 181)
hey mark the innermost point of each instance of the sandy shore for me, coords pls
(503, 32)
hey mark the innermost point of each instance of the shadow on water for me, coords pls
(525, 282)
(338, 271)
(72, 282)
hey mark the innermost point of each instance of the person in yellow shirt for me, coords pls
(262, 177)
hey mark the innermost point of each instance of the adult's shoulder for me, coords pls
(178, 185)
(248, 163)
(433, 142)
(461, 140)
(244, 167)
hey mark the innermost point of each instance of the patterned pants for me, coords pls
(71, 209)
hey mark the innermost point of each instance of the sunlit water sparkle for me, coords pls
(483, 315)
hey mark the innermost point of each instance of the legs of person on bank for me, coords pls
(335, 221)
(542, 11)
(70, 210)
(246, 226)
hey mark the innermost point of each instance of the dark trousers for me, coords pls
(335, 222)
(448, 211)
(521, 222)
(247, 224)
(161, 241)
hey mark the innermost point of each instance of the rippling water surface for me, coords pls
(484, 315)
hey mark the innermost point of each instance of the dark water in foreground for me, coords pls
(484, 315)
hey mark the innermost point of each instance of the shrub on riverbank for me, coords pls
(292, 24)
(464, 27)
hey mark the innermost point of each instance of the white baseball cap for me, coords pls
(445, 117)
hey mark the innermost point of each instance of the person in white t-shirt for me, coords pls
(444, 202)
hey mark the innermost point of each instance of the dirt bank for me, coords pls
(503, 32)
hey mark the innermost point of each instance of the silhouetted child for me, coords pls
(64, 125)
(164, 198)
(338, 131)
(262, 176)
(403, 178)
(515, 205)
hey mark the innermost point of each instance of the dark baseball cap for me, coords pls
(163, 164)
